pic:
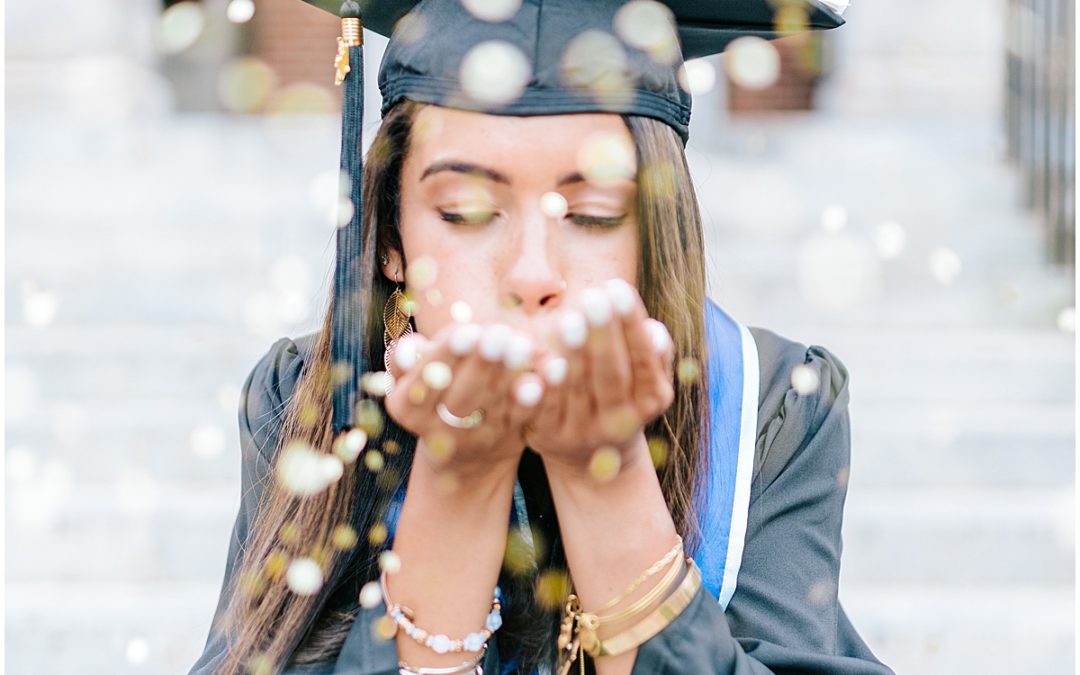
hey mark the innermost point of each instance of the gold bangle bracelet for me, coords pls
(662, 587)
(656, 621)
(656, 567)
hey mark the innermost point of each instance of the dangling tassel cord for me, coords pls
(346, 340)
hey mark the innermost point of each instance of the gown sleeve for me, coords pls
(262, 402)
(785, 615)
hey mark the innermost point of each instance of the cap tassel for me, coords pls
(346, 340)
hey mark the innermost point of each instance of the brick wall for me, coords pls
(296, 40)
(793, 90)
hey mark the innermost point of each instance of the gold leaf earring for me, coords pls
(396, 322)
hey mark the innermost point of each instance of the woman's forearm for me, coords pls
(451, 544)
(611, 533)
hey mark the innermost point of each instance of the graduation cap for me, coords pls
(526, 57)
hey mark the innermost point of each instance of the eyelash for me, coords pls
(583, 220)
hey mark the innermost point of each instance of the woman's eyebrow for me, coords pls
(459, 166)
(468, 168)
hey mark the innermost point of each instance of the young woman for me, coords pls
(578, 460)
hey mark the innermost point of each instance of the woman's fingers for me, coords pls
(608, 363)
(651, 354)
(473, 375)
(423, 369)
(549, 414)
(578, 408)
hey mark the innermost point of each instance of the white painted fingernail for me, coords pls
(573, 330)
(528, 393)
(621, 294)
(555, 370)
(405, 352)
(597, 307)
(660, 336)
(493, 343)
(464, 339)
(518, 351)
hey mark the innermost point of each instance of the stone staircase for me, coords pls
(177, 248)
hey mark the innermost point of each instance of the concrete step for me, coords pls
(925, 629)
(953, 535)
(939, 629)
(155, 531)
(103, 623)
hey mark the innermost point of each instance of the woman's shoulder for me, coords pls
(269, 386)
(803, 401)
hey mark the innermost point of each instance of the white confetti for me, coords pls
(494, 72)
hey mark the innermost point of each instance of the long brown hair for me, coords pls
(267, 624)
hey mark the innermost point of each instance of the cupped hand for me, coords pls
(615, 375)
(465, 367)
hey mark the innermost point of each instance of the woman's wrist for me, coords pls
(472, 480)
(634, 461)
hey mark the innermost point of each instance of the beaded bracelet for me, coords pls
(470, 667)
(442, 644)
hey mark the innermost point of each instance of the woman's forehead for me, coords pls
(519, 144)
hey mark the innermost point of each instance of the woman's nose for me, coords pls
(533, 281)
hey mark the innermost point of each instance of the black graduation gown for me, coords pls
(784, 615)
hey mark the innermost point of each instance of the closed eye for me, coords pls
(596, 221)
(468, 217)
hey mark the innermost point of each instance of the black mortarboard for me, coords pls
(527, 57)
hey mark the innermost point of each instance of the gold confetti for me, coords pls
(383, 628)
(378, 534)
(373, 460)
(595, 61)
(421, 273)
(417, 393)
(439, 446)
(791, 18)
(275, 565)
(254, 583)
(320, 555)
(411, 28)
(607, 157)
(245, 84)
(289, 533)
(620, 423)
(842, 477)
(309, 415)
(604, 464)
(369, 417)
(340, 373)
(552, 588)
(391, 447)
(517, 558)
(658, 451)
(259, 664)
(687, 371)
(343, 537)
